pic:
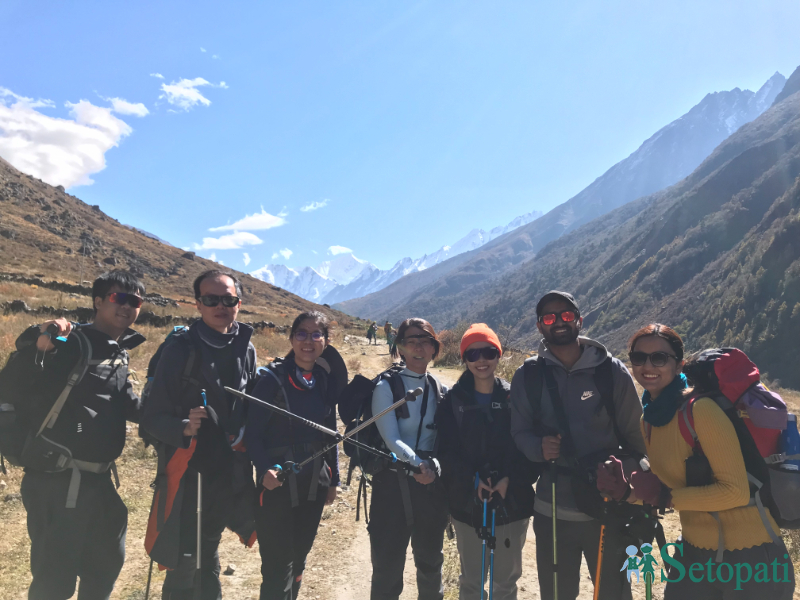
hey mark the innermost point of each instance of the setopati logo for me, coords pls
(709, 571)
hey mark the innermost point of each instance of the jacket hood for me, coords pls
(466, 384)
(594, 353)
(127, 341)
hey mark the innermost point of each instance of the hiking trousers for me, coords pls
(179, 583)
(777, 585)
(507, 560)
(390, 531)
(576, 539)
(86, 542)
(285, 536)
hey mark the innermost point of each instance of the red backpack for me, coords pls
(733, 381)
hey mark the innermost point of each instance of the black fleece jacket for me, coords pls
(482, 442)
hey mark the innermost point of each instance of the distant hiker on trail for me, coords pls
(387, 330)
(289, 512)
(372, 333)
(76, 519)
(708, 485)
(474, 428)
(573, 405)
(198, 428)
(407, 507)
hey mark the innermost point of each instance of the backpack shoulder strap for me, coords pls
(74, 377)
(392, 375)
(604, 382)
(534, 382)
(686, 424)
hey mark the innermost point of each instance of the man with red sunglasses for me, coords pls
(572, 406)
(76, 519)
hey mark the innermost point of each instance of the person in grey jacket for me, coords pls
(574, 363)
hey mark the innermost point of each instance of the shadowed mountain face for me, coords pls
(47, 232)
(669, 155)
(717, 256)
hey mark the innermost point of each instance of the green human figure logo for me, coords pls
(647, 563)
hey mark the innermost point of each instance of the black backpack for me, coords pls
(25, 395)
(355, 407)
(188, 377)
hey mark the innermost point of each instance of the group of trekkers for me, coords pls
(567, 442)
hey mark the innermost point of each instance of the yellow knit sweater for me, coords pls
(728, 495)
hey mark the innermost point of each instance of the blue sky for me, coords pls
(402, 125)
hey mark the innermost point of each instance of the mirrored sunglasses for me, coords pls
(567, 316)
(316, 336)
(212, 300)
(489, 353)
(131, 300)
(657, 359)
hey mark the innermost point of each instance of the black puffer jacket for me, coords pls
(479, 439)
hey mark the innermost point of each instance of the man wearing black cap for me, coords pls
(572, 406)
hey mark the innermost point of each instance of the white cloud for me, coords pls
(123, 107)
(314, 206)
(202, 49)
(285, 253)
(213, 257)
(215, 56)
(157, 75)
(57, 150)
(245, 258)
(232, 241)
(338, 250)
(223, 85)
(184, 93)
(255, 222)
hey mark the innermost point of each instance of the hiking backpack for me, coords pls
(355, 407)
(179, 331)
(24, 439)
(733, 382)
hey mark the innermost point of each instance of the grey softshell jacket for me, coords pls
(590, 424)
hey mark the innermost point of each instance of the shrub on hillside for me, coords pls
(449, 341)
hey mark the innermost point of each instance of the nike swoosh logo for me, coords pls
(586, 395)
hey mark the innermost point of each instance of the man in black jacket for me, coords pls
(213, 353)
(76, 520)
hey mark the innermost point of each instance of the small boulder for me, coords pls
(188, 255)
(230, 570)
(111, 260)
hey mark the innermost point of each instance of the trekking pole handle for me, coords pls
(410, 396)
(286, 413)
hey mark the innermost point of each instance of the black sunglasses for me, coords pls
(212, 300)
(657, 359)
(131, 300)
(489, 353)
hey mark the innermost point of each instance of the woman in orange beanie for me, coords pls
(476, 449)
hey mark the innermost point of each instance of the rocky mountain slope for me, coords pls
(716, 255)
(664, 159)
(54, 235)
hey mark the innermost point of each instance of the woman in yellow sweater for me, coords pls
(752, 565)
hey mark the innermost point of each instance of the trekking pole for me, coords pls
(483, 549)
(492, 544)
(197, 583)
(599, 568)
(297, 467)
(149, 577)
(553, 478)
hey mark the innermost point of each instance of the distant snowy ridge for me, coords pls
(346, 276)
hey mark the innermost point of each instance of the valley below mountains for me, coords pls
(716, 255)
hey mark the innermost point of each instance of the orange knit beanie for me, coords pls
(479, 332)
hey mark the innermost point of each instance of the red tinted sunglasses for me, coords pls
(567, 316)
(132, 300)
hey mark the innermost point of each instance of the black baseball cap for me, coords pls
(555, 295)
